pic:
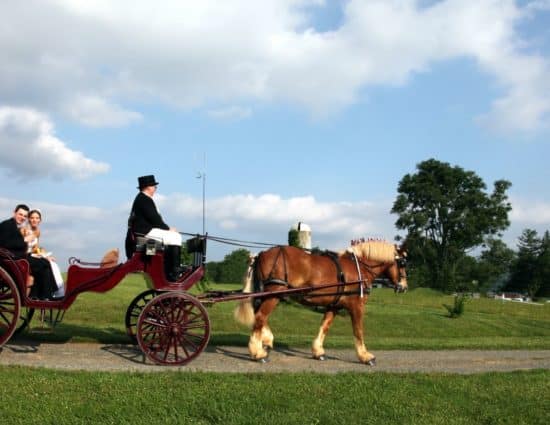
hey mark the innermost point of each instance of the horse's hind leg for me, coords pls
(317, 346)
(255, 344)
(356, 311)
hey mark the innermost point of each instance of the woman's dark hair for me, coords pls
(37, 212)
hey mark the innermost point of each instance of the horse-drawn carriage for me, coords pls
(172, 326)
(175, 327)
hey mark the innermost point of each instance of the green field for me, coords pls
(416, 320)
(31, 396)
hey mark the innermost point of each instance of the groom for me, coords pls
(12, 239)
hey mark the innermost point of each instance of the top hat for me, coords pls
(145, 181)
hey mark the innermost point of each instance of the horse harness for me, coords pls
(260, 284)
(364, 286)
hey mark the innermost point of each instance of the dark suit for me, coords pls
(143, 217)
(11, 239)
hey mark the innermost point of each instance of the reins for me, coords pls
(234, 242)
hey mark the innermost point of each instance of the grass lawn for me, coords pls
(415, 320)
(35, 396)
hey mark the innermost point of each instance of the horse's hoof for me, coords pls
(321, 358)
(371, 362)
(263, 360)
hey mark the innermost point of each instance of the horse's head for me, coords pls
(398, 270)
(383, 258)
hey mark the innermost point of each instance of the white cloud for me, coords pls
(530, 212)
(94, 111)
(30, 149)
(87, 232)
(194, 54)
(231, 113)
(245, 216)
(81, 231)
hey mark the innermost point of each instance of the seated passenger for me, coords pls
(35, 250)
(12, 239)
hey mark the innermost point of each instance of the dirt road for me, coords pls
(128, 358)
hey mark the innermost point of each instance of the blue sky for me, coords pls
(295, 110)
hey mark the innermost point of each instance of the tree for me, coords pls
(531, 270)
(544, 265)
(495, 262)
(524, 277)
(446, 212)
(231, 269)
(293, 238)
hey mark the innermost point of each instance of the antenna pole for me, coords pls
(202, 176)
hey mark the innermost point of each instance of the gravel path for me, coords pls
(128, 358)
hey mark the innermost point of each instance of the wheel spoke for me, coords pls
(134, 310)
(168, 345)
(10, 306)
(4, 317)
(173, 328)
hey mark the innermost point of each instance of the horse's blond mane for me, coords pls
(375, 250)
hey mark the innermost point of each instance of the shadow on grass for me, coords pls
(237, 340)
(130, 353)
(78, 333)
(240, 355)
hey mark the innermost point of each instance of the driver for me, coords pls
(145, 220)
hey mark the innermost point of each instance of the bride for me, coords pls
(34, 219)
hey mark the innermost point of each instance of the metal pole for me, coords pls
(202, 175)
(204, 203)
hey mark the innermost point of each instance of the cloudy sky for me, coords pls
(282, 110)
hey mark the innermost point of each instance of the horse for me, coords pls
(343, 281)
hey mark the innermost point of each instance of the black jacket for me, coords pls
(11, 238)
(144, 216)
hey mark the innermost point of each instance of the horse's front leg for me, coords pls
(356, 310)
(267, 337)
(317, 346)
(256, 343)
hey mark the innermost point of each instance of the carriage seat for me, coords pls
(148, 245)
(196, 246)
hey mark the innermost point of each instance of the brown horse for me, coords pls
(343, 281)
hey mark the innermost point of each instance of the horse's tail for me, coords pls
(244, 312)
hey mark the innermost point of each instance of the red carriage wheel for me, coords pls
(134, 310)
(173, 329)
(10, 306)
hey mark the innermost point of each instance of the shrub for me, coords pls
(457, 309)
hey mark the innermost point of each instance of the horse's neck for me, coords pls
(376, 268)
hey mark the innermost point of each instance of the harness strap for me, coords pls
(360, 277)
(275, 282)
(260, 283)
(340, 276)
(280, 253)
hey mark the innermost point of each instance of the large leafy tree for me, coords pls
(446, 212)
